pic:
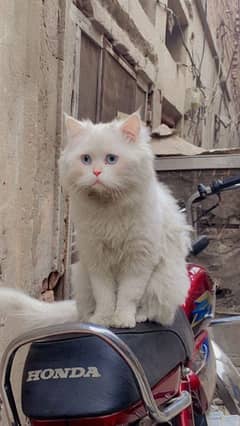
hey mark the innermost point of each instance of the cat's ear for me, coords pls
(131, 127)
(74, 127)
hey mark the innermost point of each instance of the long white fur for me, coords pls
(20, 313)
(19, 306)
(131, 236)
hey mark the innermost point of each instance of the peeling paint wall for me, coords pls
(137, 30)
(32, 230)
(214, 74)
(29, 84)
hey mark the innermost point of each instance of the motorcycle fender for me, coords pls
(228, 380)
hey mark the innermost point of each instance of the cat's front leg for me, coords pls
(130, 292)
(82, 291)
(103, 288)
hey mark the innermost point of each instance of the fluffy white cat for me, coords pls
(132, 238)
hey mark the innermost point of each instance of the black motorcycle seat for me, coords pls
(83, 376)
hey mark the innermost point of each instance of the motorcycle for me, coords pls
(86, 375)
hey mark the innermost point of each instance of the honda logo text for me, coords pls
(63, 373)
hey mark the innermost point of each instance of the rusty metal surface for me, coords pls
(88, 83)
(118, 89)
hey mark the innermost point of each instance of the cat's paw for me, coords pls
(123, 320)
(99, 320)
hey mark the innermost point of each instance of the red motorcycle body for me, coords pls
(193, 370)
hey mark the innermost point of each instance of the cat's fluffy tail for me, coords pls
(28, 313)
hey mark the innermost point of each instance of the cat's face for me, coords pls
(105, 159)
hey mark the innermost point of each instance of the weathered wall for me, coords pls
(29, 95)
(213, 67)
(211, 47)
(31, 225)
(138, 31)
(224, 17)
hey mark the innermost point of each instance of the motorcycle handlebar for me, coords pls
(219, 185)
(205, 191)
(216, 187)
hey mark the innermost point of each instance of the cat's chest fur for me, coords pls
(110, 234)
(107, 226)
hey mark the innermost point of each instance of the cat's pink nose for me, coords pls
(97, 172)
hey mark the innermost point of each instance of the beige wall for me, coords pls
(29, 84)
(215, 96)
(32, 78)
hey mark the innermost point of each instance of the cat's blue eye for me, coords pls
(86, 159)
(111, 159)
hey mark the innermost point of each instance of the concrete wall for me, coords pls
(29, 49)
(219, 97)
(31, 223)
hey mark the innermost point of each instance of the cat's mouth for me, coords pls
(98, 187)
(98, 182)
(103, 193)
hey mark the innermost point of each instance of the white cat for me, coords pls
(132, 238)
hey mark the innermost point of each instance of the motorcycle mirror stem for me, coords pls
(210, 321)
(232, 320)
